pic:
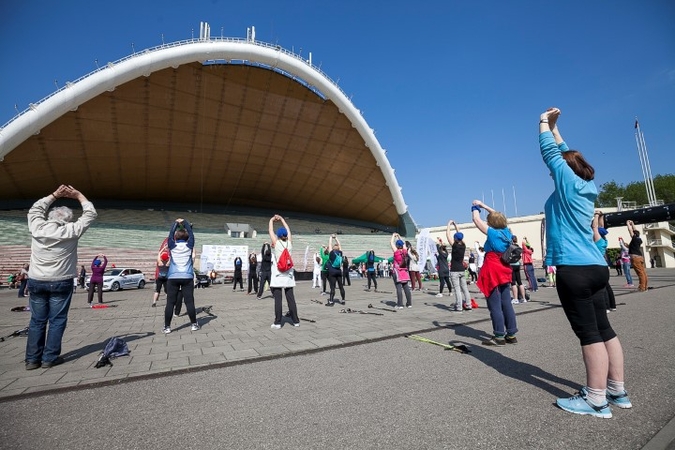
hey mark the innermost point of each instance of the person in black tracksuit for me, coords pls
(238, 277)
(265, 268)
(335, 273)
(252, 274)
(345, 272)
(370, 268)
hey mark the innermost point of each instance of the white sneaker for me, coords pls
(166, 330)
(276, 326)
(195, 327)
(296, 324)
(514, 302)
(439, 295)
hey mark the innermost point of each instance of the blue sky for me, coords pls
(453, 89)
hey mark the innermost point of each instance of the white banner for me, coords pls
(221, 257)
(426, 248)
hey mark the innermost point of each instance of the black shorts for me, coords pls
(582, 291)
(515, 276)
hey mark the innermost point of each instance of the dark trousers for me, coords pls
(444, 280)
(332, 279)
(187, 287)
(252, 281)
(290, 299)
(265, 277)
(324, 278)
(238, 279)
(92, 285)
(371, 277)
(345, 278)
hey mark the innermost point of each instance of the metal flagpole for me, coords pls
(644, 163)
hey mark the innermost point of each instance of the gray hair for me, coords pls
(61, 213)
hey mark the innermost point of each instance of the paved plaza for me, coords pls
(340, 380)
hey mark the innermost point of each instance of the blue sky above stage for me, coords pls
(453, 89)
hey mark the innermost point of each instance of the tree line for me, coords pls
(664, 186)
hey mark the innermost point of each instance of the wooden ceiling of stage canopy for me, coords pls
(226, 134)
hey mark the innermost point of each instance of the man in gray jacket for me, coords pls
(53, 265)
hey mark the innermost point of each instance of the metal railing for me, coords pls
(278, 48)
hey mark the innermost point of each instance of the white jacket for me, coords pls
(54, 243)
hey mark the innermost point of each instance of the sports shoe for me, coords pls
(166, 330)
(33, 365)
(522, 300)
(330, 304)
(527, 296)
(439, 295)
(276, 326)
(466, 307)
(296, 324)
(343, 302)
(408, 306)
(511, 339)
(621, 400)
(154, 305)
(56, 362)
(514, 301)
(579, 404)
(195, 327)
(176, 315)
(495, 341)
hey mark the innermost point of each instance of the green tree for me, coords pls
(664, 186)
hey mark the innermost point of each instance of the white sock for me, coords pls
(615, 387)
(596, 396)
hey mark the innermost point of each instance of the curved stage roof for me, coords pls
(228, 122)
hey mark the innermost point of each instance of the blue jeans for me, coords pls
(529, 273)
(49, 303)
(501, 311)
(626, 272)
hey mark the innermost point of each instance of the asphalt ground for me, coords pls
(349, 380)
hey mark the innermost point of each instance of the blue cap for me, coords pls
(281, 232)
(399, 243)
(97, 262)
(603, 231)
(458, 236)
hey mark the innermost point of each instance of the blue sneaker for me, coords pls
(578, 404)
(621, 400)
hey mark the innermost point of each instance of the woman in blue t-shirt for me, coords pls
(494, 279)
(582, 273)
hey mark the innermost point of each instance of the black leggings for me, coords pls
(332, 279)
(324, 278)
(187, 287)
(445, 279)
(582, 291)
(371, 276)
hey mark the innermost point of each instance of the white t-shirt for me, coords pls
(281, 279)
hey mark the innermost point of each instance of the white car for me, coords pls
(124, 278)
